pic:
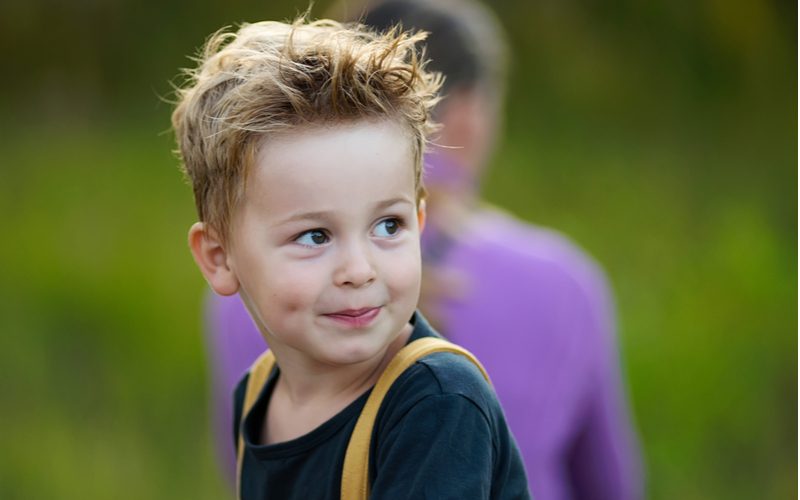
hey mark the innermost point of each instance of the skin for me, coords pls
(325, 253)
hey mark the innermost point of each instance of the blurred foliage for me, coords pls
(660, 135)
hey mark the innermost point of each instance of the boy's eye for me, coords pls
(387, 228)
(312, 238)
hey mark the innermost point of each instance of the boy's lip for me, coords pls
(355, 317)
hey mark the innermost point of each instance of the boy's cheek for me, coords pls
(405, 273)
(282, 311)
(280, 284)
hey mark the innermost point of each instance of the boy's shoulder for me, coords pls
(440, 420)
(443, 375)
(447, 378)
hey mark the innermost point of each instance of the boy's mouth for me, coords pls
(355, 317)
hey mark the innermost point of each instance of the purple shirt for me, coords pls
(537, 312)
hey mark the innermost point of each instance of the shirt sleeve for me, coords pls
(604, 462)
(444, 447)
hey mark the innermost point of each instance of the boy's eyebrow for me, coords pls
(326, 215)
(393, 201)
(301, 216)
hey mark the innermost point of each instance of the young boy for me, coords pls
(304, 146)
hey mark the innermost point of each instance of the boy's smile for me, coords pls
(355, 317)
(325, 244)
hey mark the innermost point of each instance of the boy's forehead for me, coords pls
(326, 144)
(356, 133)
(367, 158)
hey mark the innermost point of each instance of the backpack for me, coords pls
(355, 474)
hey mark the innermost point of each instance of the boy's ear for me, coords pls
(212, 259)
(421, 214)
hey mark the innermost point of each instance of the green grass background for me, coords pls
(659, 135)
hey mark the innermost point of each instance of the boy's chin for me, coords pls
(364, 350)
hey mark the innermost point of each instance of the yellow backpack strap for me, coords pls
(355, 475)
(259, 373)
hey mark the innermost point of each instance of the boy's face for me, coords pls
(325, 245)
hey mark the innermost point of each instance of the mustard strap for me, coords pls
(259, 373)
(355, 474)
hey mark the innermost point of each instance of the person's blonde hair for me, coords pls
(270, 77)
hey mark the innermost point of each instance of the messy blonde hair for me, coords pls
(270, 77)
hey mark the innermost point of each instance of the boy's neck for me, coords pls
(304, 398)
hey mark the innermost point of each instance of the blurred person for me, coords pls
(529, 303)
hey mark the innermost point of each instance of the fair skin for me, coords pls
(324, 251)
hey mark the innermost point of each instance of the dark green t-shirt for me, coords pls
(440, 433)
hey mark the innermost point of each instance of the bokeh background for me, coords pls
(660, 135)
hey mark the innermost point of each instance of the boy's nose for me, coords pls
(355, 268)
